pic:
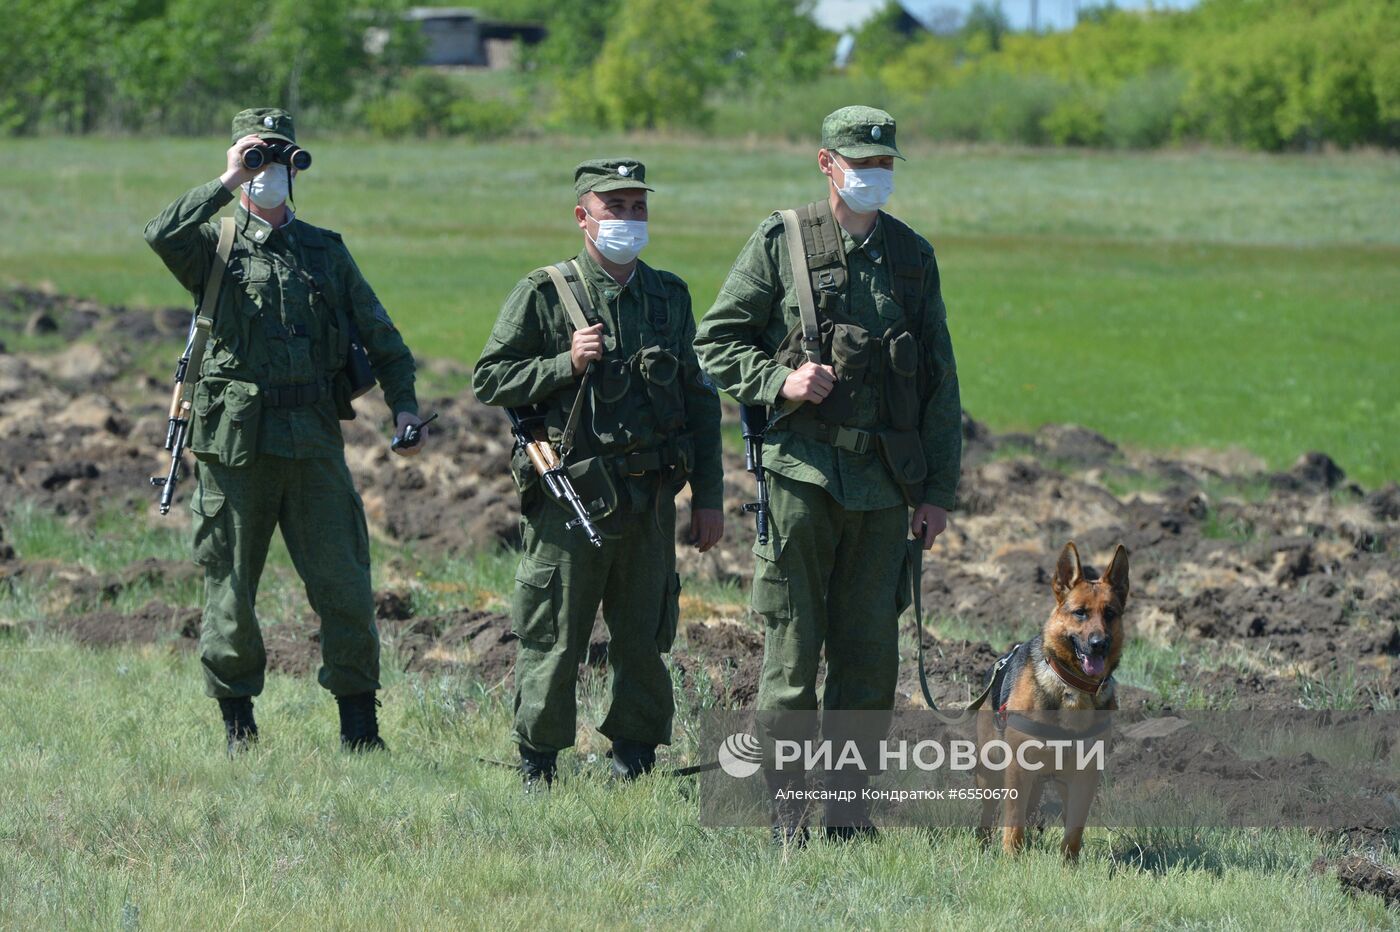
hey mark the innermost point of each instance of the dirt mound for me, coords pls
(1294, 570)
(1359, 874)
(155, 623)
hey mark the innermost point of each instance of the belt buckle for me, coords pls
(849, 438)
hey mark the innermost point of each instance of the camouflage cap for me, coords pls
(267, 122)
(599, 175)
(859, 133)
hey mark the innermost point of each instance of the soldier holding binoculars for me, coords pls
(271, 387)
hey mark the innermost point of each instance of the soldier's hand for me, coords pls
(587, 346)
(706, 528)
(405, 420)
(811, 383)
(928, 522)
(235, 174)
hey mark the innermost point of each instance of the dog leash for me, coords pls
(915, 560)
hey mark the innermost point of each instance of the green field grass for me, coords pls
(1168, 300)
(119, 810)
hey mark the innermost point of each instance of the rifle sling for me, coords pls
(204, 317)
(578, 304)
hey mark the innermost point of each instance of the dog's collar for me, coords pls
(1070, 678)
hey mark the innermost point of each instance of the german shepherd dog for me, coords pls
(1069, 667)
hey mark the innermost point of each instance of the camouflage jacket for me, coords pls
(282, 320)
(527, 362)
(755, 311)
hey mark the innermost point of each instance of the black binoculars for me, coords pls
(288, 153)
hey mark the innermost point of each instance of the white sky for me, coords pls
(840, 15)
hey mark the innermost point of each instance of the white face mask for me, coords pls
(269, 187)
(865, 189)
(619, 241)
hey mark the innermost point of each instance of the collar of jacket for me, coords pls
(598, 278)
(256, 228)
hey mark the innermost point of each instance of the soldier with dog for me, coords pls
(833, 318)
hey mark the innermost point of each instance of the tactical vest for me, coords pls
(256, 319)
(631, 408)
(889, 365)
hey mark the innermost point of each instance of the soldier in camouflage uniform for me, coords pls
(649, 423)
(867, 436)
(266, 429)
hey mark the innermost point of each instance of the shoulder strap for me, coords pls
(826, 254)
(802, 282)
(204, 317)
(575, 301)
(572, 292)
(907, 266)
(215, 281)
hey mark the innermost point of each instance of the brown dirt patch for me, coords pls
(1295, 570)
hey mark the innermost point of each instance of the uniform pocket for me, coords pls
(535, 607)
(357, 512)
(210, 536)
(769, 594)
(228, 415)
(670, 615)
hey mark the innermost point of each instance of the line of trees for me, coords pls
(1263, 74)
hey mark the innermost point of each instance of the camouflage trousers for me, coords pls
(834, 579)
(315, 504)
(561, 581)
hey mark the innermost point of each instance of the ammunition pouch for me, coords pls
(227, 419)
(661, 369)
(850, 349)
(902, 395)
(593, 480)
(902, 452)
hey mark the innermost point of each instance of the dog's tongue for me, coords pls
(1092, 665)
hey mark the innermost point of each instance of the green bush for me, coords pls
(431, 103)
(1142, 113)
(992, 107)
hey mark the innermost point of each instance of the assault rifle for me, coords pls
(177, 426)
(527, 424)
(753, 419)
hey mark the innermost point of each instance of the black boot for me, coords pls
(632, 759)
(239, 727)
(359, 727)
(789, 814)
(848, 819)
(537, 768)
